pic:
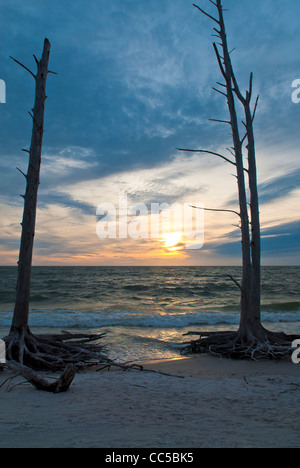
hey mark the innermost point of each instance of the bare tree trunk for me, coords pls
(252, 340)
(254, 320)
(255, 292)
(227, 72)
(255, 214)
(51, 352)
(21, 312)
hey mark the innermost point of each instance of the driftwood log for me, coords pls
(61, 385)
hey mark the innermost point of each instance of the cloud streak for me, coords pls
(134, 83)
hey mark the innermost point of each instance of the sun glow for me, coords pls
(173, 241)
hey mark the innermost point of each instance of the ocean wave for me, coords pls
(282, 307)
(65, 318)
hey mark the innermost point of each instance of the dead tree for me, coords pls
(53, 352)
(21, 313)
(252, 340)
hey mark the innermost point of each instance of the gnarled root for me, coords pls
(54, 352)
(27, 353)
(233, 345)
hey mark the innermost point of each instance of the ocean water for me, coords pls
(146, 310)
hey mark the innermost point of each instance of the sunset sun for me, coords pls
(172, 240)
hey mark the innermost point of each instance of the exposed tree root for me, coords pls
(235, 346)
(27, 353)
(55, 352)
(60, 385)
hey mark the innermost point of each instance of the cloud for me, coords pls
(282, 239)
(134, 83)
(70, 157)
(279, 187)
(280, 245)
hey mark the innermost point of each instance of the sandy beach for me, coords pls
(205, 402)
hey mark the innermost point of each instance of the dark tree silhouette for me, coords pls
(55, 352)
(252, 340)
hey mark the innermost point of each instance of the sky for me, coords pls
(134, 82)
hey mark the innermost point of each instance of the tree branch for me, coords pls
(220, 92)
(218, 32)
(23, 66)
(220, 63)
(235, 282)
(26, 177)
(220, 121)
(236, 89)
(220, 211)
(244, 137)
(230, 151)
(208, 152)
(249, 95)
(206, 14)
(255, 108)
(36, 60)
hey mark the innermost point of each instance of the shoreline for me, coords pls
(215, 403)
(210, 367)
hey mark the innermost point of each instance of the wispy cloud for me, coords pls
(67, 161)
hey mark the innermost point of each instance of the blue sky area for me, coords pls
(134, 83)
